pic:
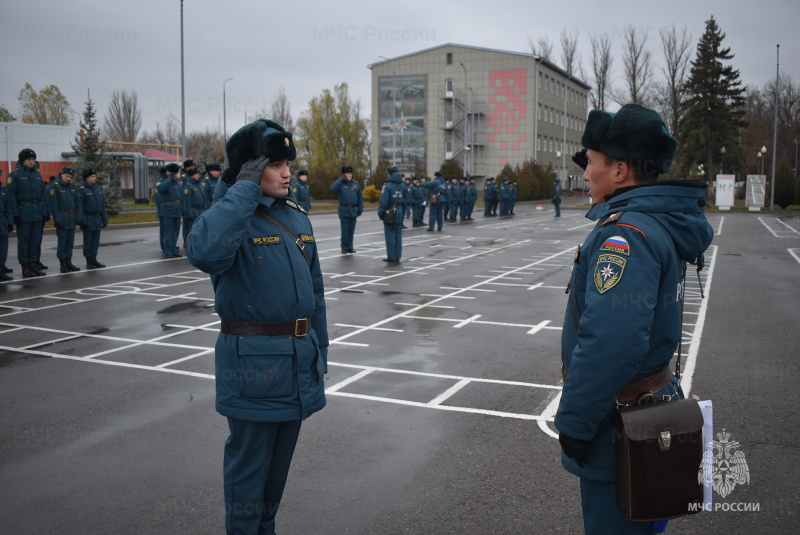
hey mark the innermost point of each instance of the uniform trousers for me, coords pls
(256, 465)
(348, 225)
(438, 211)
(91, 242)
(187, 227)
(66, 240)
(172, 229)
(29, 241)
(393, 235)
(558, 209)
(602, 516)
(3, 248)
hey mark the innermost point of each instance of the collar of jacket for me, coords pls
(664, 196)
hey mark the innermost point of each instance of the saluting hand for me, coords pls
(253, 170)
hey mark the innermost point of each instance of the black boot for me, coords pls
(89, 263)
(63, 262)
(4, 277)
(4, 269)
(95, 263)
(39, 266)
(30, 270)
(71, 266)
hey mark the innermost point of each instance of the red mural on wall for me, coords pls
(507, 107)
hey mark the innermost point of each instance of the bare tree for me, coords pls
(124, 118)
(601, 68)
(670, 95)
(637, 68)
(542, 47)
(281, 111)
(569, 51)
(170, 135)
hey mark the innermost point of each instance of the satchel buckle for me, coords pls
(301, 327)
(664, 440)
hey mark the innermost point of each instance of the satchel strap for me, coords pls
(680, 340)
(297, 241)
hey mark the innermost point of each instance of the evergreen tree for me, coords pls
(91, 153)
(714, 109)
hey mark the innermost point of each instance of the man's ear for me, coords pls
(622, 171)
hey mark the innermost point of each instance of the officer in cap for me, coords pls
(470, 196)
(92, 216)
(512, 189)
(63, 200)
(302, 191)
(213, 170)
(6, 227)
(613, 342)
(556, 200)
(258, 246)
(351, 205)
(437, 199)
(171, 210)
(195, 199)
(391, 202)
(27, 192)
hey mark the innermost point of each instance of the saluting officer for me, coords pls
(27, 192)
(6, 227)
(438, 201)
(302, 191)
(351, 205)
(171, 210)
(392, 197)
(195, 199)
(92, 216)
(63, 201)
(272, 352)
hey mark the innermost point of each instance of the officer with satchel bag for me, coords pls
(623, 317)
(391, 199)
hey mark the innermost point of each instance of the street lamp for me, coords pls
(761, 153)
(722, 165)
(183, 95)
(224, 110)
(558, 157)
(795, 157)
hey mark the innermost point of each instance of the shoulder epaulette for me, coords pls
(613, 218)
(294, 205)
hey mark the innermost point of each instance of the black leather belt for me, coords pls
(67, 211)
(91, 214)
(348, 205)
(259, 328)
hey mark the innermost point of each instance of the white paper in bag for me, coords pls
(708, 437)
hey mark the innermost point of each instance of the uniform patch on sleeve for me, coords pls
(265, 240)
(616, 244)
(307, 237)
(608, 271)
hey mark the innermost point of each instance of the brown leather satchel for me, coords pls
(659, 452)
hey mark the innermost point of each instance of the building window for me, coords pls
(449, 58)
(539, 113)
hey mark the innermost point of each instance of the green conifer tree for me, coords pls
(714, 109)
(91, 153)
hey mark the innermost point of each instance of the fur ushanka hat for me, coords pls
(260, 138)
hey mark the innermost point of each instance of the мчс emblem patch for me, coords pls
(608, 271)
(616, 244)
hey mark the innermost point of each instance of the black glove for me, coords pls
(45, 218)
(84, 226)
(228, 176)
(253, 170)
(17, 220)
(575, 448)
(105, 224)
(11, 228)
(60, 224)
(580, 159)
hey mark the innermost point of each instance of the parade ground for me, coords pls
(443, 382)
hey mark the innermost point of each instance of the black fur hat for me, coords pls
(347, 169)
(188, 164)
(634, 134)
(24, 154)
(173, 168)
(86, 173)
(213, 167)
(260, 138)
(68, 171)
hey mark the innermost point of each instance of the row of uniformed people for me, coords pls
(502, 194)
(27, 202)
(459, 194)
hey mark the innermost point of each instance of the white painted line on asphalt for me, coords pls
(787, 226)
(718, 232)
(49, 342)
(697, 335)
(372, 329)
(190, 357)
(794, 254)
(466, 321)
(548, 414)
(767, 227)
(360, 375)
(539, 327)
(441, 398)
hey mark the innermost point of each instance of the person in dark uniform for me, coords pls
(392, 197)
(505, 198)
(623, 317)
(92, 216)
(6, 227)
(438, 201)
(417, 198)
(63, 200)
(488, 196)
(162, 175)
(271, 355)
(556, 200)
(351, 205)
(195, 199)
(302, 191)
(27, 192)
(213, 170)
(171, 210)
(512, 190)
(470, 196)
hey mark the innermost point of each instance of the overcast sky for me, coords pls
(308, 46)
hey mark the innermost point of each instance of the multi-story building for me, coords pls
(482, 108)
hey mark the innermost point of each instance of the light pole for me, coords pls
(795, 157)
(761, 153)
(224, 110)
(183, 96)
(558, 156)
(722, 165)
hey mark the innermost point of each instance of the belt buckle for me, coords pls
(301, 327)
